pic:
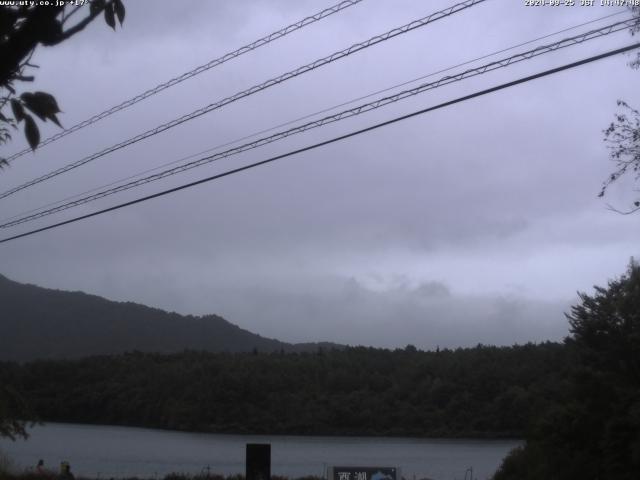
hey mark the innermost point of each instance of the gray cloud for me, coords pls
(344, 310)
(475, 223)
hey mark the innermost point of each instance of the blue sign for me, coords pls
(364, 473)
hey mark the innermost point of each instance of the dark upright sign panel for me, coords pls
(258, 465)
(364, 473)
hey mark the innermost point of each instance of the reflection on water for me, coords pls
(105, 451)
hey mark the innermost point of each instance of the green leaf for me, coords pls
(118, 6)
(18, 110)
(43, 104)
(109, 16)
(50, 32)
(8, 18)
(31, 132)
(96, 6)
(55, 120)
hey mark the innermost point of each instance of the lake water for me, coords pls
(106, 451)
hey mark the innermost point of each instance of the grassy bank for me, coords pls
(172, 476)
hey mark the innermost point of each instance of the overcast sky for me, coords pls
(472, 224)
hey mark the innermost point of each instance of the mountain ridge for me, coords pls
(44, 323)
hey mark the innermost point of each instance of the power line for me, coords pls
(257, 88)
(196, 71)
(305, 117)
(333, 140)
(502, 63)
(339, 116)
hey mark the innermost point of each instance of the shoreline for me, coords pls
(480, 436)
(126, 452)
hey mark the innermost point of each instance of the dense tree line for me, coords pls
(592, 430)
(478, 392)
(577, 403)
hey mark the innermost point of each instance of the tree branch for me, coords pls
(78, 27)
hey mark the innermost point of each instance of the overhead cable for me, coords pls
(332, 140)
(257, 88)
(304, 117)
(192, 73)
(358, 110)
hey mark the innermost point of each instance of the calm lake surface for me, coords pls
(105, 451)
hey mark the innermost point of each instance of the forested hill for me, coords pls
(39, 323)
(476, 392)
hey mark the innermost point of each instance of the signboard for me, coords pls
(363, 473)
(258, 461)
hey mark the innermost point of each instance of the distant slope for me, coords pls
(40, 323)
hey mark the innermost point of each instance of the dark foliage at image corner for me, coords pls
(595, 431)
